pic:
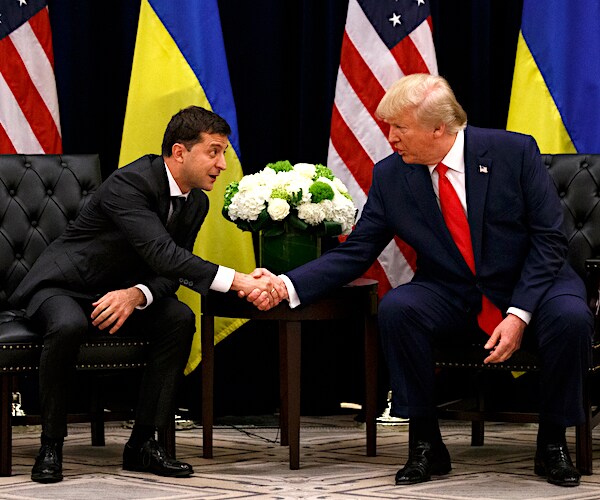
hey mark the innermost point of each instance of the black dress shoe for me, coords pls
(553, 462)
(151, 457)
(423, 461)
(48, 464)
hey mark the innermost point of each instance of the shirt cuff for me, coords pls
(293, 298)
(147, 293)
(223, 280)
(519, 313)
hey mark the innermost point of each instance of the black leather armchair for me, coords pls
(39, 196)
(577, 180)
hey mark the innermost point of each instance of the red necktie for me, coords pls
(456, 220)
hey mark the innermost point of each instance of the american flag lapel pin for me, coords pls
(483, 169)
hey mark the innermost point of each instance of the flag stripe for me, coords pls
(18, 130)
(6, 144)
(40, 25)
(29, 113)
(38, 66)
(345, 143)
(367, 88)
(374, 56)
(408, 57)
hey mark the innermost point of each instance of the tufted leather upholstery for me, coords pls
(39, 196)
(577, 181)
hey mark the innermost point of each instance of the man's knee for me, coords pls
(569, 316)
(179, 316)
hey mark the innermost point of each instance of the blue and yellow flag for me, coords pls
(179, 60)
(556, 85)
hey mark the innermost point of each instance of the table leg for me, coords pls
(371, 384)
(292, 331)
(283, 385)
(207, 342)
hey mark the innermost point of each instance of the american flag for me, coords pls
(29, 119)
(383, 41)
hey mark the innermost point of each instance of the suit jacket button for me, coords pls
(191, 283)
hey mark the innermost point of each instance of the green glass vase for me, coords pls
(288, 250)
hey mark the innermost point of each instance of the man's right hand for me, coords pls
(261, 286)
(279, 291)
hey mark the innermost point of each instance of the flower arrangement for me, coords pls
(281, 196)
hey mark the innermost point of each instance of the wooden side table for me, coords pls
(358, 301)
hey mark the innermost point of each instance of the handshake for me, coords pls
(261, 287)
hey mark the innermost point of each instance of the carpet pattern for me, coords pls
(250, 463)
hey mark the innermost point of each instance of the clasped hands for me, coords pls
(261, 287)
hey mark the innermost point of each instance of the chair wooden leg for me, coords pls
(478, 426)
(583, 436)
(371, 384)
(207, 340)
(6, 425)
(97, 421)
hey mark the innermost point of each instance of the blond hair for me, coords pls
(431, 98)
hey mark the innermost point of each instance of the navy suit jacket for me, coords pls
(119, 240)
(514, 215)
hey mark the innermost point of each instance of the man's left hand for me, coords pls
(505, 339)
(115, 307)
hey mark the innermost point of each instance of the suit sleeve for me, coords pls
(350, 259)
(548, 244)
(131, 204)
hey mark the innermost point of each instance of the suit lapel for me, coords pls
(478, 169)
(421, 188)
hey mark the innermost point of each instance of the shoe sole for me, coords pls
(134, 469)
(46, 479)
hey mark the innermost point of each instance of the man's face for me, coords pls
(203, 163)
(412, 140)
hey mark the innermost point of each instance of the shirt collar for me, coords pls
(173, 187)
(455, 158)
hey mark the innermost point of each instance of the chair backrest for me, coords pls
(39, 196)
(577, 181)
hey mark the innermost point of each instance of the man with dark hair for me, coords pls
(480, 210)
(117, 268)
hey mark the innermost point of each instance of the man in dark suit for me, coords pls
(483, 216)
(117, 268)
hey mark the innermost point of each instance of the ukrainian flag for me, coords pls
(556, 86)
(179, 60)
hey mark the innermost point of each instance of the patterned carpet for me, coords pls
(250, 463)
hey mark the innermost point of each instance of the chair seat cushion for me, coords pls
(21, 346)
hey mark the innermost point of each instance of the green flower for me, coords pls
(281, 166)
(320, 191)
(323, 171)
(230, 192)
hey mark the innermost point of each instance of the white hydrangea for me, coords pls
(248, 204)
(278, 209)
(311, 213)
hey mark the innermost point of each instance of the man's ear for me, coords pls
(439, 131)
(177, 151)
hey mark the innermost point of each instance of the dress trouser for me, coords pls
(64, 321)
(412, 319)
